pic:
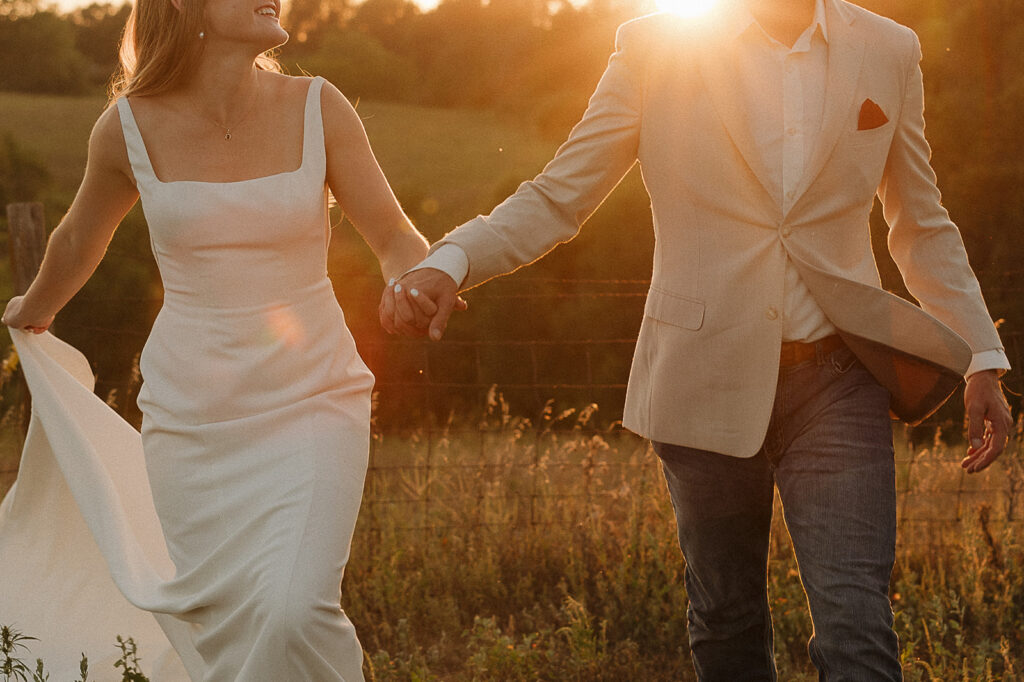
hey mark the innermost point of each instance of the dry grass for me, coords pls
(515, 549)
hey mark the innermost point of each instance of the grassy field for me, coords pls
(439, 149)
(515, 549)
(500, 547)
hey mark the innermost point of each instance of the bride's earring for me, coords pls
(202, 34)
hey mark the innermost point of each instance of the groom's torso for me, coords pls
(712, 188)
(726, 228)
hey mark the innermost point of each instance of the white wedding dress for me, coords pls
(229, 518)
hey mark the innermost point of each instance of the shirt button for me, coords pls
(771, 313)
(786, 231)
(791, 131)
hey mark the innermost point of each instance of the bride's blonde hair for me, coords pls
(160, 48)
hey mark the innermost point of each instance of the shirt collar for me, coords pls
(738, 21)
(819, 22)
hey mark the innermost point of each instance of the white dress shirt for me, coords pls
(785, 94)
(784, 89)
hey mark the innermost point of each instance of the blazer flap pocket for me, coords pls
(676, 310)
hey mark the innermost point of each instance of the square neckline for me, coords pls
(302, 160)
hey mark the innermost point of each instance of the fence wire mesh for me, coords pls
(495, 432)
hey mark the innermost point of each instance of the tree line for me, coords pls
(534, 58)
(529, 57)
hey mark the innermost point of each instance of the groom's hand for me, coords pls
(420, 303)
(988, 420)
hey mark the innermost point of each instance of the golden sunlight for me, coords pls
(284, 326)
(686, 8)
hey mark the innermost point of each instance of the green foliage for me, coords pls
(38, 54)
(590, 587)
(12, 642)
(97, 28)
(23, 175)
(129, 661)
(359, 65)
(550, 554)
(39, 674)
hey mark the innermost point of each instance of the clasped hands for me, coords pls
(420, 303)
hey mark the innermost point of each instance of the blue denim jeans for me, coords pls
(829, 451)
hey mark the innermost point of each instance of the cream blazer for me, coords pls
(707, 358)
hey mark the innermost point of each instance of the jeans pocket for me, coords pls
(841, 361)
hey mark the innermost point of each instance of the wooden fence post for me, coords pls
(27, 235)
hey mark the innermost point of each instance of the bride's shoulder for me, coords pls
(289, 92)
(107, 147)
(284, 84)
(333, 103)
(342, 125)
(108, 129)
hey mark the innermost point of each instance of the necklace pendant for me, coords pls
(227, 135)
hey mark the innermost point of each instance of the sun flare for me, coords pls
(686, 8)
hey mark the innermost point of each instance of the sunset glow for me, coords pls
(283, 325)
(686, 8)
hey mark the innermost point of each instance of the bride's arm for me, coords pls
(362, 191)
(78, 243)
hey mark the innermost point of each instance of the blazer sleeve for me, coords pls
(924, 242)
(550, 209)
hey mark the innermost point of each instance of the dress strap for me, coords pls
(142, 168)
(313, 151)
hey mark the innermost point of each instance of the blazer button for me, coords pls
(771, 313)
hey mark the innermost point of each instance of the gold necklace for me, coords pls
(240, 121)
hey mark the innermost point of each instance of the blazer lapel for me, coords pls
(718, 71)
(845, 56)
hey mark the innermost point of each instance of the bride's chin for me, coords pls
(280, 39)
(268, 44)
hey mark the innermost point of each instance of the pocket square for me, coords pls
(871, 116)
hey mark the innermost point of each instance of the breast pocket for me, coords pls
(880, 136)
(678, 311)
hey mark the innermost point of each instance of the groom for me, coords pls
(769, 356)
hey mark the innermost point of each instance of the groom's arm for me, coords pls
(923, 241)
(549, 209)
(927, 247)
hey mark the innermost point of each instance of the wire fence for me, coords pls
(494, 432)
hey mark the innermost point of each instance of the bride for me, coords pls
(255, 403)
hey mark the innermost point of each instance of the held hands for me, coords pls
(15, 316)
(420, 303)
(988, 420)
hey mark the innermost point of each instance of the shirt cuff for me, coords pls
(449, 259)
(989, 359)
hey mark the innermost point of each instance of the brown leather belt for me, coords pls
(795, 352)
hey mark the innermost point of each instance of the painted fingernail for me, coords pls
(414, 292)
(398, 288)
(391, 282)
(435, 334)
